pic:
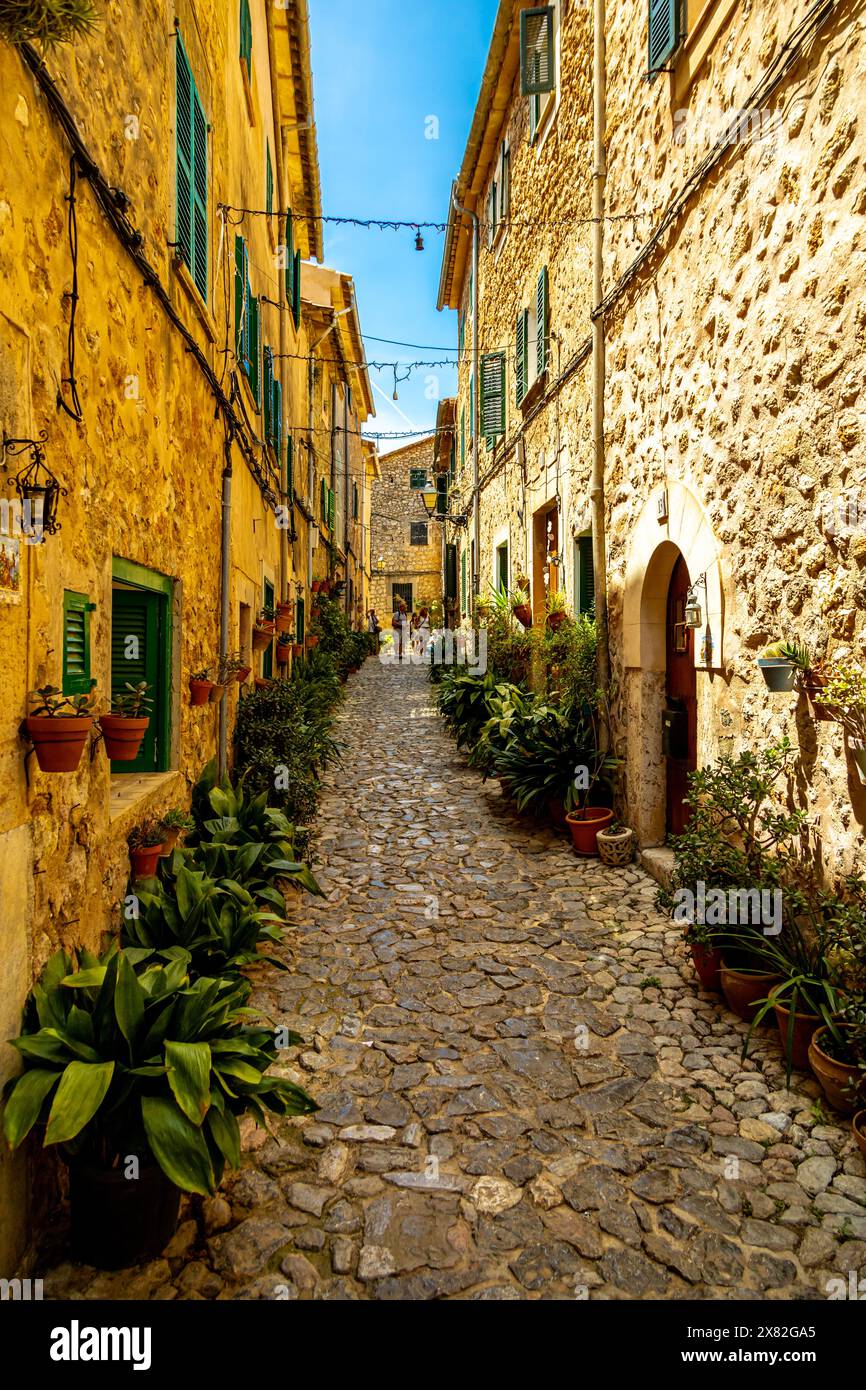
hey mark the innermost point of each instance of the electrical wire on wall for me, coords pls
(74, 411)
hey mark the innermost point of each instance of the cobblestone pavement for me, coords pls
(524, 1092)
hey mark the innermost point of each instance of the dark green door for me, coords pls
(138, 638)
(268, 657)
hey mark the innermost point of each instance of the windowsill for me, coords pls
(248, 393)
(535, 392)
(203, 314)
(130, 792)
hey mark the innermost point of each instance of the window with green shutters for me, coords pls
(537, 56)
(472, 406)
(417, 479)
(418, 533)
(290, 468)
(354, 501)
(666, 26)
(300, 620)
(542, 326)
(461, 331)
(463, 438)
(76, 643)
(492, 212)
(521, 372)
(246, 45)
(323, 501)
(584, 574)
(451, 572)
(331, 508)
(277, 419)
(268, 654)
(255, 351)
(245, 348)
(441, 494)
(293, 271)
(268, 383)
(269, 180)
(191, 138)
(139, 653)
(463, 594)
(493, 395)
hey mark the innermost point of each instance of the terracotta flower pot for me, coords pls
(616, 848)
(262, 684)
(744, 988)
(283, 653)
(59, 742)
(123, 737)
(555, 620)
(242, 674)
(284, 618)
(215, 694)
(858, 1126)
(144, 860)
(842, 1084)
(263, 636)
(117, 1223)
(523, 614)
(312, 641)
(297, 649)
(199, 692)
(708, 964)
(805, 1027)
(169, 840)
(812, 686)
(316, 585)
(585, 825)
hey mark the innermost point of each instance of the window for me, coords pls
(323, 501)
(502, 569)
(141, 650)
(463, 438)
(246, 45)
(247, 335)
(537, 57)
(418, 533)
(441, 494)
(417, 479)
(472, 406)
(290, 467)
(461, 331)
(76, 643)
(404, 592)
(451, 572)
(192, 176)
(331, 508)
(493, 395)
(272, 397)
(584, 574)
(268, 653)
(533, 339)
(269, 180)
(499, 197)
(354, 501)
(463, 592)
(666, 26)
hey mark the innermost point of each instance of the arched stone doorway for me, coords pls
(669, 530)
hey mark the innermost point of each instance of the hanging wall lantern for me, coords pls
(37, 487)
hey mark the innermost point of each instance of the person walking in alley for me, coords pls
(374, 628)
(421, 634)
(400, 626)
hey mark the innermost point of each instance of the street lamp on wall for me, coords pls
(37, 487)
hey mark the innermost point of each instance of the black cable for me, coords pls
(74, 411)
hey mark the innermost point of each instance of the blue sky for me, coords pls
(380, 69)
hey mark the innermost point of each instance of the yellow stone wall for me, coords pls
(395, 507)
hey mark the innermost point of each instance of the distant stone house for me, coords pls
(406, 544)
(733, 325)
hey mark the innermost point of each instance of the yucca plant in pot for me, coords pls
(779, 663)
(58, 726)
(125, 727)
(519, 600)
(173, 824)
(140, 1077)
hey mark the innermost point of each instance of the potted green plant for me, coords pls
(615, 845)
(140, 1075)
(264, 628)
(779, 662)
(284, 648)
(125, 727)
(146, 844)
(284, 618)
(519, 601)
(845, 693)
(837, 1056)
(173, 824)
(200, 686)
(706, 955)
(556, 608)
(812, 682)
(58, 726)
(244, 669)
(858, 1129)
(600, 769)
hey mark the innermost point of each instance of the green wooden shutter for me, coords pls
(296, 290)
(76, 643)
(451, 571)
(246, 44)
(331, 508)
(541, 321)
(491, 214)
(472, 406)
(666, 29)
(463, 438)
(269, 180)
(537, 63)
(290, 259)
(461, 331)
(277, 420)
(268, 393)
(200, 198)
(585, 575)
(184, 157)
(255, 350)
(505, 185)
(323, 500)
(242, 304)
(136, 614)
(520, 372)
(354, 501)
(493, 394)
(290, 467)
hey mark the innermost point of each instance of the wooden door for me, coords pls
(681, 692)
(138, 654)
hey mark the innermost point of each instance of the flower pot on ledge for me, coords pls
(144, 860)
(263, 636)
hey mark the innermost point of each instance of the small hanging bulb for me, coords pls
(419, 240)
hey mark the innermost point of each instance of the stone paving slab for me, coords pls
(524, 1092)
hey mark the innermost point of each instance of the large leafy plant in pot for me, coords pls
(539, 760)
(140, 1078)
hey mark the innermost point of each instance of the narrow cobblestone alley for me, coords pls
(524, 1094)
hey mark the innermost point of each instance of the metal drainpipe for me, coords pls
(476, 414)
(225, 586)
(346, 476)
(599, 176)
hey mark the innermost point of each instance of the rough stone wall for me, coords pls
(394, 507)
(142, 469)
(734, 369)
(550, 192)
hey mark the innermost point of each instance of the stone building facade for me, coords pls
(733, 326)
(179, 443)
(406, 545)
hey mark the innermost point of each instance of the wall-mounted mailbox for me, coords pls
(675, 730)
